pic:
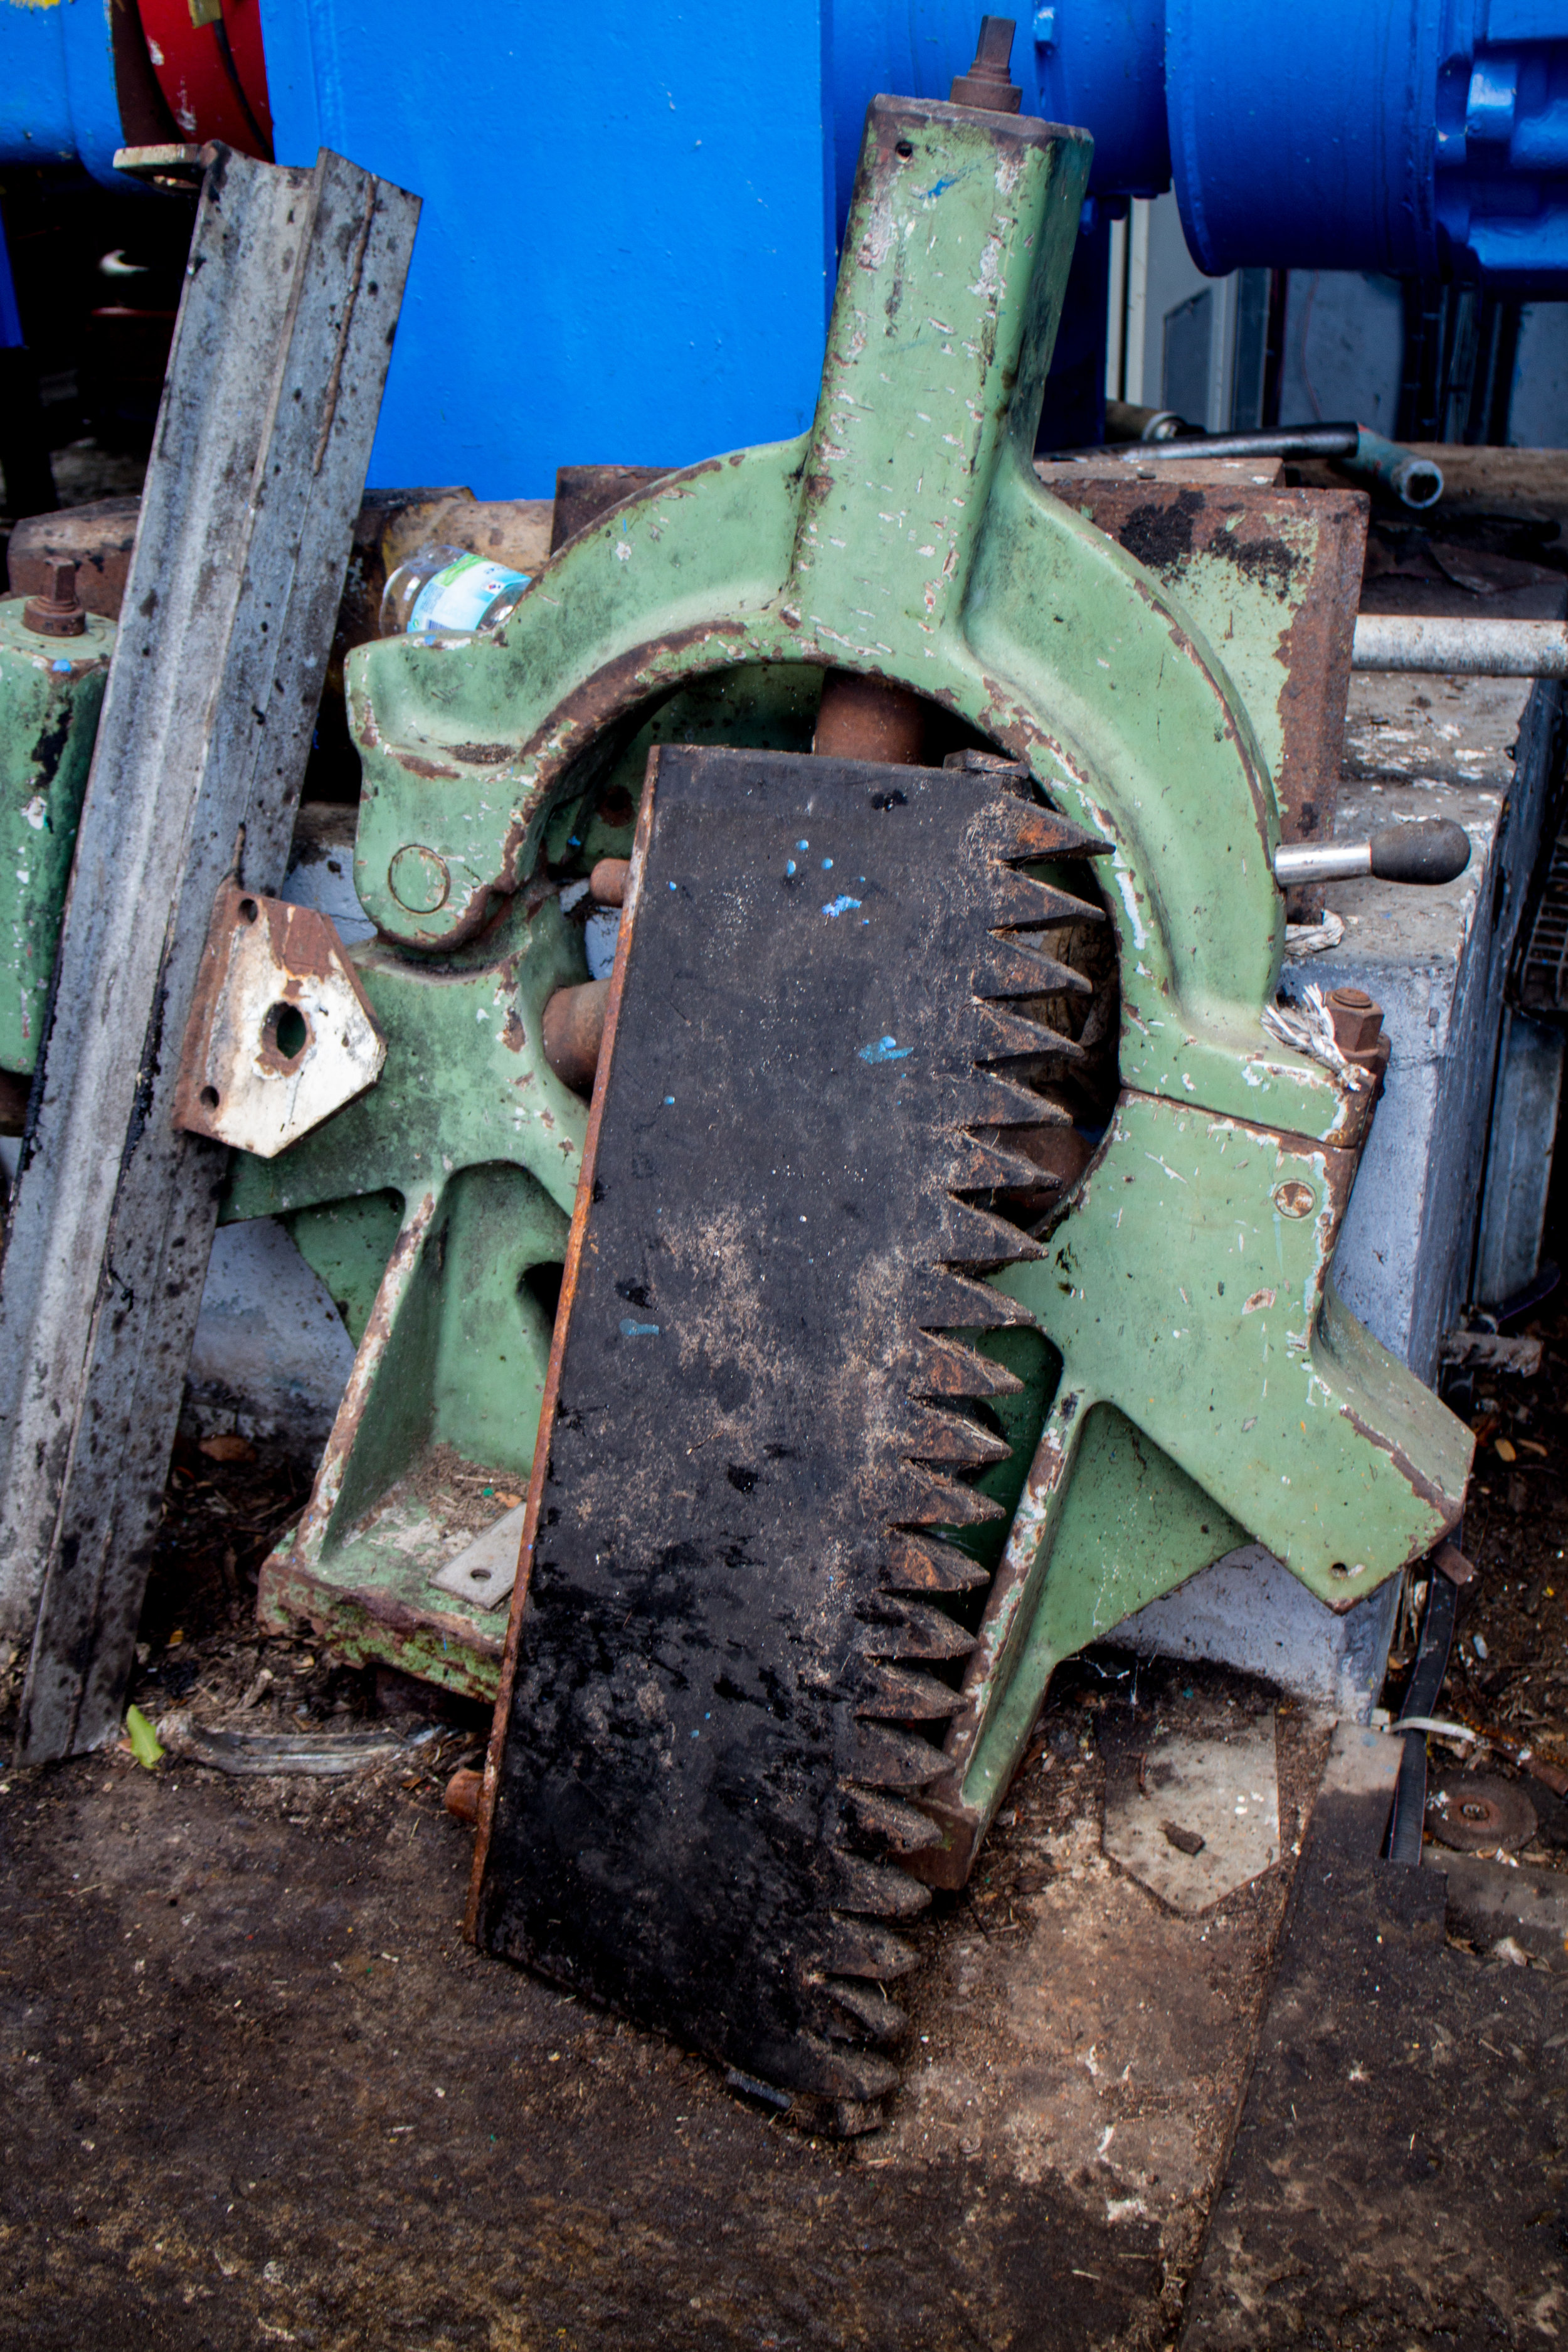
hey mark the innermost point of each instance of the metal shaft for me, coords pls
(1465, 649)
(1321, 861)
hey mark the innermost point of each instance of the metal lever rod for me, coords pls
(1429, 852)
(1466, 648)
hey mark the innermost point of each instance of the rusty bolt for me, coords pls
(463, 1793)
(573, 1031)
(989, 82)
(57, 614)
(1294, 1199)
(1358, 1022)
(607, 882)
(869, 718)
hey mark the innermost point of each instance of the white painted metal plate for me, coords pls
(1220, 1792)
(281, 1034)
(484, 1571)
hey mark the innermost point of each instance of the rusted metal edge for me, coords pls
(574, 1245)
(349, 1615)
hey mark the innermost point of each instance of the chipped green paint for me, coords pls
(1213, 1392)
(50, 691)
(906, 535)
(1191, 1381)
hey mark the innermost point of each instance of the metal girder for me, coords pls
(258, 465)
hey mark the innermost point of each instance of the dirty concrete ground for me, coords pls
(261, 2091)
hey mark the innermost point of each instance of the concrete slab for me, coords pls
(1194, 1816)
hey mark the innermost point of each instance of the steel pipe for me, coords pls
(1460, 648)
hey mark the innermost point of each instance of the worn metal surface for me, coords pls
(1270, 1412)
(732, 1618)
(281, 1034)
(98, 539)
(1191, 1816)
(255, 475)
(908, 538)
(750, 1421)
(51, 689)
(435, 1210)
(1272, 579)
(708, 608)
(1462, 647)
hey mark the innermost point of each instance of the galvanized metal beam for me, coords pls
(274, 386)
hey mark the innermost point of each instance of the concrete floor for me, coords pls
(261, 2091)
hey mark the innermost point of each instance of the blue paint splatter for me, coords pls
(789, 865)
(639, 1331)
(672, 886)
(939, 187)
(840, 906)
(803, 844)
(62, 665)
(886, 1049)
(669, 1102)
(826, 865)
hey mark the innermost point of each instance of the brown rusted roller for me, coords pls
(573, 1031)
(867, 718)
(463, 1793)
(607, 882)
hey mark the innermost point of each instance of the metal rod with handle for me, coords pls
(1431, 851)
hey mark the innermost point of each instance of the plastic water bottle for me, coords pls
(443, 588)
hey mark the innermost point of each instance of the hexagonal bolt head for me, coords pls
(1358, 1022)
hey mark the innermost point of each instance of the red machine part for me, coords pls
(211, 68)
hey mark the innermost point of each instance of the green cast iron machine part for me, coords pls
(1189, 1380)
(51, 688)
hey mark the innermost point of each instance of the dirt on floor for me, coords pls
(261, 2091)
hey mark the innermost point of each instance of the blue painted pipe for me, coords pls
(626, 248)
(1414, 137)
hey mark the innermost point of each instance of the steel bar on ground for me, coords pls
(1460, 648)
(258, 462)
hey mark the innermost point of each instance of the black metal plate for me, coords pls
(788, 1107)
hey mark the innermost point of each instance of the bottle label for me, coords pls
(459, 597)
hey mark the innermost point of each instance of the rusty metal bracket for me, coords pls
(281, 1034)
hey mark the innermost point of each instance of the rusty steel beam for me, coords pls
(268, 410)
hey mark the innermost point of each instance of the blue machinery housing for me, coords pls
(630, 218)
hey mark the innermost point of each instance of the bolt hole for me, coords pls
(478, 1575)
(1338, 1567)
(286, 1031)
(905, 148)
(248, 910)
(543, 1285)
(209, 1098)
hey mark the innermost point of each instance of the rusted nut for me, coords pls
(607, 882)
(1294, 1199)
(463, 1794)
(867, 718)
(574, 1032)
(57, 614)
(1358, 1022)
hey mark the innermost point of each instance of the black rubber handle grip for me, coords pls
(1434, 850)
